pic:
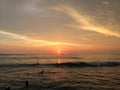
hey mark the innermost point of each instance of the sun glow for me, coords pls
(59, 51)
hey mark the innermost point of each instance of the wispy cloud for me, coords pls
(85, 22)
(16, 38)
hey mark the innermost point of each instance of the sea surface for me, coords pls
(60, 72)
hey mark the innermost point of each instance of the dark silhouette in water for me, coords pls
(42, 72)
(37, 64)
(7, 88)
(26, 83)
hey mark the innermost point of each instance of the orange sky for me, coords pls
(70, 26)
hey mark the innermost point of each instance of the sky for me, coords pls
(68, 26)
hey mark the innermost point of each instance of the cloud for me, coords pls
(11, 36)
(31, 7)
(85, 22)
(16, 38)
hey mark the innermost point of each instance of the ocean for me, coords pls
(60, 72)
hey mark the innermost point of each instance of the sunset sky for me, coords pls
(68, 26)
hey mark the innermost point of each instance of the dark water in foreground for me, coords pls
(102, 73)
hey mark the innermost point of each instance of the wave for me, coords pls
(68, 64)
(89, 64)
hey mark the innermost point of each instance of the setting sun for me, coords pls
(58, 51)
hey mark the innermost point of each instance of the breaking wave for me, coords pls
(68, 64)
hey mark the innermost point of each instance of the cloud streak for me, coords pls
(85, 22)
(12, 37)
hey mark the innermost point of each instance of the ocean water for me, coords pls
(61, 72)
